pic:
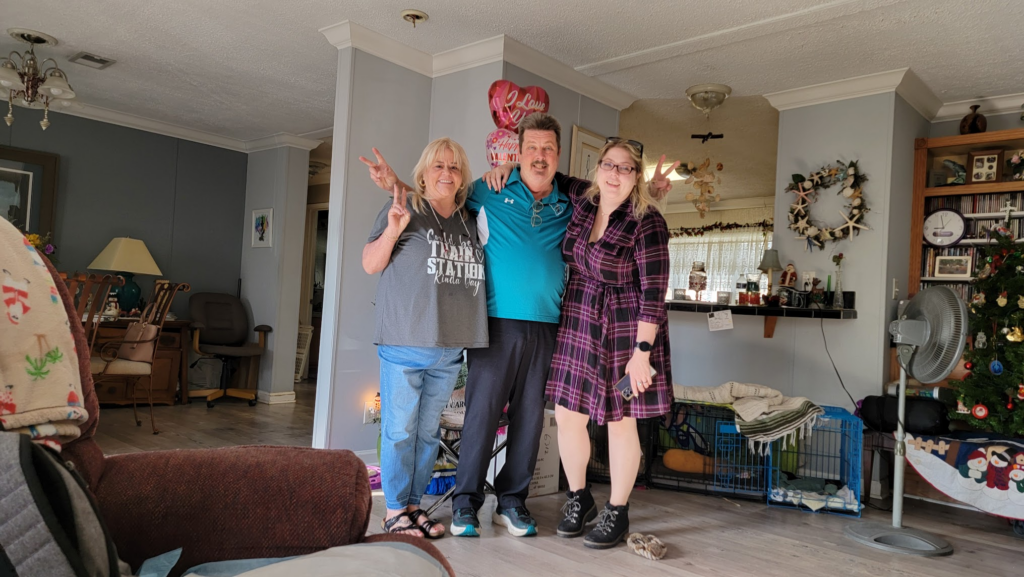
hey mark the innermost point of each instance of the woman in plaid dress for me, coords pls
(613, 324)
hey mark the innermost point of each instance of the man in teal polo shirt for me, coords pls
(521, 228)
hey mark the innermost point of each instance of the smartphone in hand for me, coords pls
(625, 385)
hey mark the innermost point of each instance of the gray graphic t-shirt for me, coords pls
(432, 292)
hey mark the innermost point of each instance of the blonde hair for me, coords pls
(432, 152)
(640, 196)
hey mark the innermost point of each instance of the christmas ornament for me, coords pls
(980, 341)
(1020, 268)
(1020, 301)
(979, 299)
(1015, 335)
(1010, 405)
(969, 365)
(996, 368)
(1001, 301)
(979, 411)
(1005, 330)
(1020, 392)
(962, 408)
(985, 271)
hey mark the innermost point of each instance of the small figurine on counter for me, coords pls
(817, 293)
(788, 276)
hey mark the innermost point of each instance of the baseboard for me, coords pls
(275, 398)
(368, 457)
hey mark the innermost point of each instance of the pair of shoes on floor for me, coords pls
(517, 519)
(580, 508)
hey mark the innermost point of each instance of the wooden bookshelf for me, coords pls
(928, 149)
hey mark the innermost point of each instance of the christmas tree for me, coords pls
(991, 396)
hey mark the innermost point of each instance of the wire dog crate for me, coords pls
(598, 470)
(698, 448)
(821, 472)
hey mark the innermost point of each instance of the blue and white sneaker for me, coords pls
(518, 520)
(465, 522)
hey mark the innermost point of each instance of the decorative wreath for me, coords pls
(851, 182)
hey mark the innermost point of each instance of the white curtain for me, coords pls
(726, 255)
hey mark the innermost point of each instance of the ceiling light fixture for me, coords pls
(707, 97)
(414, 16)
(23, 78)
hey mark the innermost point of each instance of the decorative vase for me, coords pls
(974, 122)
(837, 297)
(698, 278)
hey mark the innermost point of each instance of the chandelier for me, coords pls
(34, 84)
(707, 97)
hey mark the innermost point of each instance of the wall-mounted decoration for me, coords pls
(850, 181)
(704, 179)
(510, 104)
(262, 227)
(584, 152)
(28, 189)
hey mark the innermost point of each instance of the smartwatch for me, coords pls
(644, 346)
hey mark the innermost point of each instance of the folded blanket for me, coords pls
(40, 386)
(763, 414)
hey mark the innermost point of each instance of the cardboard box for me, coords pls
(545, 474)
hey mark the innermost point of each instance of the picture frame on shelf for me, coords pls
(262, 227)
(584, 152)
(724, 297)
(680, 295)
(984, 166)
(953, 267)
(28, 189)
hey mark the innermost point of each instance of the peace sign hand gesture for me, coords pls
(398, 216)
(381, 172)
(660, 184)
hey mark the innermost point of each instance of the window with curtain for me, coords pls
(725, 254)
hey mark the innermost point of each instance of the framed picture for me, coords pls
(984, 166)
(263, 227)
(28, 189)
(583, 154)
(952, 267)
(724, 297)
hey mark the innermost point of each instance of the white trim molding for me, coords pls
(902, 81)
(275, 398)
(348, 34)
(992, 106)
(279, 140)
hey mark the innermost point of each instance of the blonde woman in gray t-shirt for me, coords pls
(431, 304)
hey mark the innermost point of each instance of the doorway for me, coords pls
(314, 267)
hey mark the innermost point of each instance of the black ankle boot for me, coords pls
(579, 510)
(612, 526)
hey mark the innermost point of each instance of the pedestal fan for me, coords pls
(930, 333)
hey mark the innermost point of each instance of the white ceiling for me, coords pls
(246, 69)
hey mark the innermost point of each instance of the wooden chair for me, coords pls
(132, 358)
(90, 292)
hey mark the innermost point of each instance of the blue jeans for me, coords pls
(415, 385)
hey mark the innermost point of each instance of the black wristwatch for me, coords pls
(644, 346)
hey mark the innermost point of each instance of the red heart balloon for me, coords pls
(510, 103)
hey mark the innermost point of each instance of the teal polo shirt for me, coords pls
(524, 266)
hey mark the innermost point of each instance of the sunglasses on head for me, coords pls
(635, 143)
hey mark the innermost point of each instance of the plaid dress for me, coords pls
(613, 283)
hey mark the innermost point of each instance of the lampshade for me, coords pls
(9, 78)
(770, 261)
(125, 254)
(56, 85)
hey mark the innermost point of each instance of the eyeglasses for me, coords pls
(620, 168)
(537, 207)
(635, 143)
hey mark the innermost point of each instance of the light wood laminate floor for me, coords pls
(707, 536)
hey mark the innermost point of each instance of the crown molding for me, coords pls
(469, 56)
(279, 140)
(544, 66)
(728, 204)
(918, 95)
(902, 81)
(156, 126)
(318, 134)
(993, 106)
(348, 34)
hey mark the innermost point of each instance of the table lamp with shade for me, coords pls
(770, 262)
(127, 257)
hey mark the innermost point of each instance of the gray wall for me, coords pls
(569, 108)
(393, 105)
(180, 197)
(995, 122)
(459, 110)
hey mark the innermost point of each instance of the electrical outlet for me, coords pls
(369, 413)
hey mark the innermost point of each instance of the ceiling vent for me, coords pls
(91, 60)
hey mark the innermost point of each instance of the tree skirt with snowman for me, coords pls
(983, 472)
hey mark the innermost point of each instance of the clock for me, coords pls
(944, 227)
